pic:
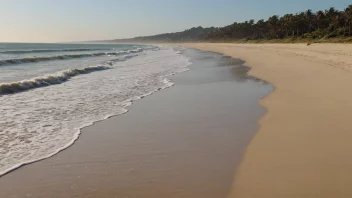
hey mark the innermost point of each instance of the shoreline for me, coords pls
(301, 147)
(76, 135)
(177, 148)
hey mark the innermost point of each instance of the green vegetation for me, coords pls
(193, 34)
(329, 25)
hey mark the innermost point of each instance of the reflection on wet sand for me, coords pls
(185, 141)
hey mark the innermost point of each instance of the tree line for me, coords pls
(323, 24)
(327, 23)
(189, 35)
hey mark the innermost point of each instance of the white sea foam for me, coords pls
(39, 123)
(48, 79)
(58, 77)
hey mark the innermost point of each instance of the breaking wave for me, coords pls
(63, 57)
(38, 124)
(47, 80)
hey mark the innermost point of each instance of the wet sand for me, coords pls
(303, 148)
(185, 141)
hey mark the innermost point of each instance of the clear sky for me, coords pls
(77, 20)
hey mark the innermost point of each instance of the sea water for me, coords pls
(48, 92)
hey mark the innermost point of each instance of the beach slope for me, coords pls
(185, 141)
(303, 148)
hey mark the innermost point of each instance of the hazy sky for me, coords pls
(77, 20)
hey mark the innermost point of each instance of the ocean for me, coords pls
(49, 92)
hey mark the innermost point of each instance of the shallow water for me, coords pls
(44, 114)
(185, 141)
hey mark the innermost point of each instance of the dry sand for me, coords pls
(303, 148)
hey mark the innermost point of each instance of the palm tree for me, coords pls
(261, 26)
(291, 23)
(337, 20)
(273, 23)
(300, 23)
(294, 25)
(309, 15)
(320, 19)
(331, 15)
(348, 18)
(285, 23)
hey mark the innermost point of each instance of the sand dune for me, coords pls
(303, 148)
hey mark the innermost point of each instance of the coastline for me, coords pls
(302, 147)
(167, 145)
(9, 161)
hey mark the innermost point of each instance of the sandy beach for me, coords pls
(176, 99)
(303, 147)
(184, 141)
